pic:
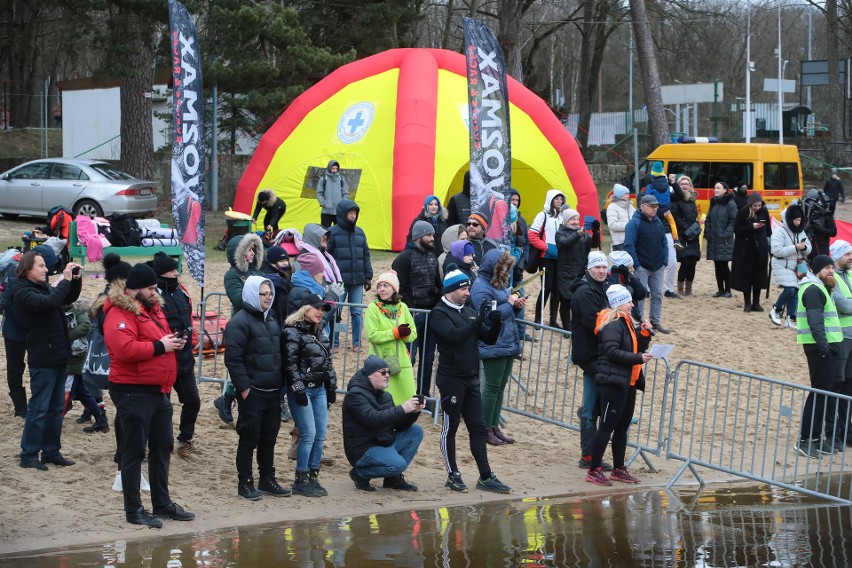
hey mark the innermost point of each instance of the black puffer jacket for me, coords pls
(685, 213)
(307, 358)
(588, 299)
(178, 311)
(719, 228)
(39, 309)
(458, 207)
(616, 356)
(347, 243)
(370, 418)
(417, 270)
(253, 350)
(574, 246)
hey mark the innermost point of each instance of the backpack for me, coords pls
(8, 266)
(81, 344)
(59, 222)
(123, 231)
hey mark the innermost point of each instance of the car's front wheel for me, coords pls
(89, 208)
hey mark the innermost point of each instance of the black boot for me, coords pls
(101, 424)
(85, 418)
(224, 404)
(246, 489)
(304, 486)
(313, 475)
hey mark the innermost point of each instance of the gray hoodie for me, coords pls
(331, 188)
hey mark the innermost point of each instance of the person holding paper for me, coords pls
(622, 343)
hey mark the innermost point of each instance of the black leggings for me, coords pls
(686, 272)
(460, 398)
(723, 275)
(549, 291)
(616, 406)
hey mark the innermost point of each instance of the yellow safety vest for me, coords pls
(831, 322)
(846, 290)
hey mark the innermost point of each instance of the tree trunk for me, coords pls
(446, 34)
(650, 75)
(509, 35)
(834, 154)
(137, 134)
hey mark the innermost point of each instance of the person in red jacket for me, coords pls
(142, 371)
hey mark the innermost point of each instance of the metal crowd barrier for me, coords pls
(705, 416)
(747, 425)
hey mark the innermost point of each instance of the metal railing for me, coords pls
(747, 425)
(705, 416)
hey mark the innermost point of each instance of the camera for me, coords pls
(421, 399)
(75, 271)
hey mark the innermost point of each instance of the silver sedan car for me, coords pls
(86, 187)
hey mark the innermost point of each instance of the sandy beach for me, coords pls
(76, 505)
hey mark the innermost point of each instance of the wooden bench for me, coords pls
(78, 251)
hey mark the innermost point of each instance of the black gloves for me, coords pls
(596, 225)
(495, 316)
(297, 389)
(330, 396)
(623, 271)
(404, 330)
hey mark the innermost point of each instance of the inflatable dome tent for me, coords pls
(397, 124)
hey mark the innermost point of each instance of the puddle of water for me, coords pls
(728, 526)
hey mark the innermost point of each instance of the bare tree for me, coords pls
(835, 89)
(650, 74)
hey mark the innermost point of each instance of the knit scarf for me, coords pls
(391, 310)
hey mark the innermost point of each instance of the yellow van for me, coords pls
(773, 170)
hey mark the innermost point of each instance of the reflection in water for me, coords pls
(751, 526)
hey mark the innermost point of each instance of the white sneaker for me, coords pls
(790, 322)
(143, 483)
(775, 317)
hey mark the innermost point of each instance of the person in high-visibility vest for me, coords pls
(818, 331)
(841, 254)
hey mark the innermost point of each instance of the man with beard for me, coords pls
(819, 332)
(142, 371)
(420, 286)
(477, 225)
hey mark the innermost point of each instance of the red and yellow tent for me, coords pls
(397, 122)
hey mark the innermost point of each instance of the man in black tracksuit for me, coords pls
(178, 312)
(457, 328)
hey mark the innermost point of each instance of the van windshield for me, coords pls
(708, 174)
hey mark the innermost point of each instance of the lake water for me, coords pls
(725, 526)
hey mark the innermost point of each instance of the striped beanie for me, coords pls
(455, 279)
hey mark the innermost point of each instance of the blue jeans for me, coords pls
(426, 345)
(390, 461)
(653, 282)
(588, 424)
(43, 425)
(788, 299)
(311, 420)
(353, 295)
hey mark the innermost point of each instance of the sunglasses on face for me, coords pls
(471, 224)
(385, 373)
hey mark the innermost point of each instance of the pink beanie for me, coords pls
(311, 263)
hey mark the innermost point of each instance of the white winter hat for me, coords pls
(618, 295)
(596, 258)
(839, 248)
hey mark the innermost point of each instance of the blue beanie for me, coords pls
(455, 279)
(429, 199)
(48, 254)
(372, 364)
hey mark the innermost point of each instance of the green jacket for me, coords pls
(240, 269)
(383, 342)
(82, 329)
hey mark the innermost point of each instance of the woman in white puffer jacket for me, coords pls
(618, 213)
(789, 246)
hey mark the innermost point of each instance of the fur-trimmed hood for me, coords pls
(239, 246)
(496, 268)
(116, 298)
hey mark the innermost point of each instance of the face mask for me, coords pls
(171, 284)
